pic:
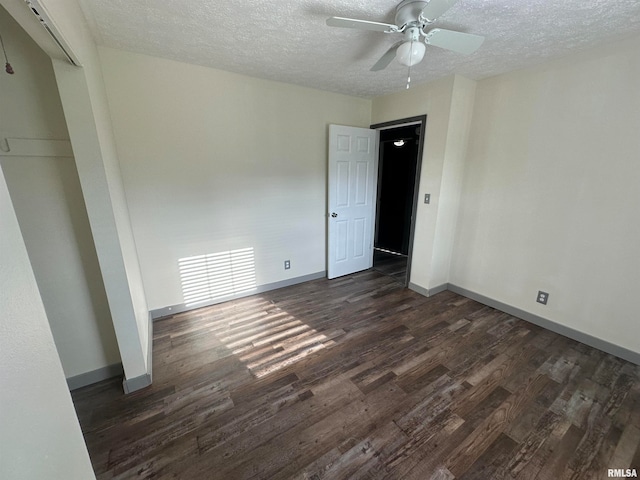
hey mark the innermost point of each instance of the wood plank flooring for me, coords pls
(391, 265)
(360, 378)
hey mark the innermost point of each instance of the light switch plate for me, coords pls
(427, 198)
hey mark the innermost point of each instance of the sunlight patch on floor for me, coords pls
(265, 341)
(270, 342)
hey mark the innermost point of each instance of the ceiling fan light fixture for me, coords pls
(410, 53)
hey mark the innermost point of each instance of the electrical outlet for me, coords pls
(287, 264)
(427, 198)
(543, 297)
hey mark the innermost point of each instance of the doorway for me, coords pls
(400, 151)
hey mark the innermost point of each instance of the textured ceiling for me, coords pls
(288, 41)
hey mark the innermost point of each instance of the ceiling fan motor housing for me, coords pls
(408, 13)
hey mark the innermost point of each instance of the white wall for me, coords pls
(40, 435)
(29, 98)
(48, 201)
(552, 192)
(448, 200)
(84, 103)
(53, 219)
(447, 103)
(214, 161)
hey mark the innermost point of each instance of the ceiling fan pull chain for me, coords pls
(410, 62)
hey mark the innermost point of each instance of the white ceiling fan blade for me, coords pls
(465, 43)
(386, 59)
(435, 8)
(361, 24)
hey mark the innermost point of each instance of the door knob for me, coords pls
(334, 215)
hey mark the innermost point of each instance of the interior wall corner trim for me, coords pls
(94, 376)
(131, 385)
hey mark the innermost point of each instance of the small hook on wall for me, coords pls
(7, 67)
(3, 143)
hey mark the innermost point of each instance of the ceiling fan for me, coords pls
(413, 20)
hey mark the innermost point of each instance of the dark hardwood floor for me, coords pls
(360, 378)
(391, 264)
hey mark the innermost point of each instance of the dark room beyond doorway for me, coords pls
(398, 170)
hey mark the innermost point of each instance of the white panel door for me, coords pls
(353, 175)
